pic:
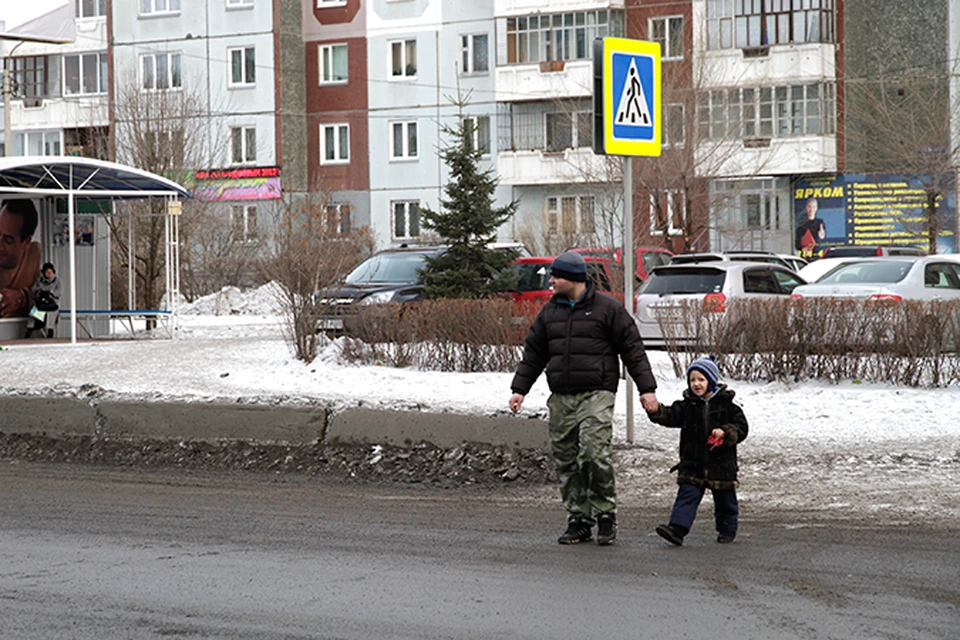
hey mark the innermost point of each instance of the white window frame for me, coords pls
(248, 151)
(404, 207)
(339, 218)
(468, 50)
(247, 54)
(323, 4)
(405, 127)
(481, 135)
(101, 71)
(578, 219)
(327, 75)
(243, 224)
(170, 57)
(671, 196)
(99, 9)
(239, 4)
(158, 7)
(51, 142)
(341, 154)
(666, 43)
(392, 59)
(669, 116)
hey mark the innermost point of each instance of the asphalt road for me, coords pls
(90, 552)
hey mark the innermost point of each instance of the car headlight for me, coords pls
(382, 297)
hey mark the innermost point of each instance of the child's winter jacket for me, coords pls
(697, 418)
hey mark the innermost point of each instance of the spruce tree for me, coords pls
(468, 221)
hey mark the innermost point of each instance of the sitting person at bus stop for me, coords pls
(46, 303)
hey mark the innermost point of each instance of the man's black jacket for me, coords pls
(579, 346)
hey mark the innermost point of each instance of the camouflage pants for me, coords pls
(581, 437)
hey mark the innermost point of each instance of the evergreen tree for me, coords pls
(469, 222)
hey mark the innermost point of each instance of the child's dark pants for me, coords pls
(725, 507)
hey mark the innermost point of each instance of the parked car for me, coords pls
(663, 301)
(387, 276)
(730, 256)
(533, 277)
(796, 263)
(896, 278)
(866, 251)
(647, 258)
(817, 269)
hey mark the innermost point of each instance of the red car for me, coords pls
(647, 257)
(534, 277)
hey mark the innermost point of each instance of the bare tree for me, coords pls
(307, 255)
(899, 112)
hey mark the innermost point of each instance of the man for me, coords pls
(579, 337)
(810, 231)
(19, 257)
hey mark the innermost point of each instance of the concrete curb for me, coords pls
(66, 416)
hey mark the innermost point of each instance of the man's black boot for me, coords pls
(606, 528)
(578, 530)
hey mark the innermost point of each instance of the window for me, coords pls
(474, 54)
(165, 148)
(243, 223)
(569, 215)
(91, 8)
(84, 73)
(569, 130)
(243, 145)
(767, 112)
(338, 219)
(160, 71)
(403, 58)
(327, 3)
(334, 144)
(243, 66)
(755, 23)
(560, 36)
(668, 32)
(239, 3)
(151, 7)
(673, 125)
(403, 143)
(666, 212)
(478, 133)
(36, 143)
(28, 76)
(333, 63)
(406, 219)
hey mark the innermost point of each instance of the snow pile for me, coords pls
(232, 301)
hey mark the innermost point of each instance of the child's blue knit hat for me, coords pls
(708, 367)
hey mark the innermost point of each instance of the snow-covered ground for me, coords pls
(870, 434)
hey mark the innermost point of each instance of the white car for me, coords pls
(934, 277)
(678, 303)
(819, 268)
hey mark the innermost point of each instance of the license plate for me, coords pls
(331, 324)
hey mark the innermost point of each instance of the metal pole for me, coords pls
(629, 256)
(72, 250)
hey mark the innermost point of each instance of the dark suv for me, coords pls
(391, 275)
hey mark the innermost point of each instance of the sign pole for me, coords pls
(628, 270)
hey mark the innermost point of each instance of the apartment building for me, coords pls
(384, 80)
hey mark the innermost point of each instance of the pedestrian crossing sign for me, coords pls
(627, 97)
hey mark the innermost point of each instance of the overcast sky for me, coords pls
(16, 12)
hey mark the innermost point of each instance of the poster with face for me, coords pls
(819, 209)
(19, 256)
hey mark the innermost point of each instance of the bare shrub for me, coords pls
(440, 335)
(910, 343)
(307, 255)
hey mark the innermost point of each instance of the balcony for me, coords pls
(779, 156)
(548, 81)
(769, 65)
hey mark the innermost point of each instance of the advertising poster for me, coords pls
(253, 183)
(820, 206)
(865, 209)
(19, 256)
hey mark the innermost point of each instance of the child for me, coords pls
(710, 426)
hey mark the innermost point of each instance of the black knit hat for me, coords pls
(48, 265)
(569, 266)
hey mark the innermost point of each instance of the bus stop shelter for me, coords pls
(76, 179)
